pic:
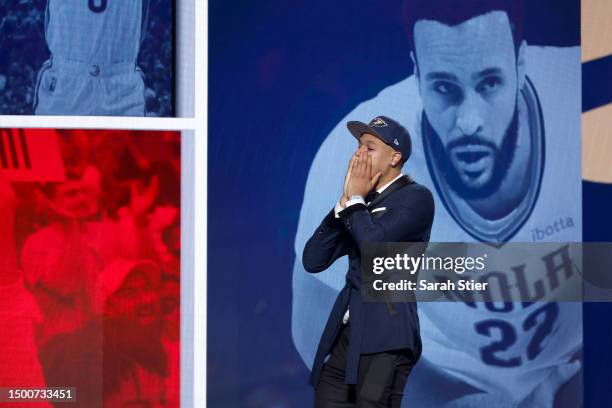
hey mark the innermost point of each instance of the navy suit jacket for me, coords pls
(375, 326)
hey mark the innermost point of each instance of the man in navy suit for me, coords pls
(368, 349)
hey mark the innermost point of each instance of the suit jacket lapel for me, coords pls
(397, 184)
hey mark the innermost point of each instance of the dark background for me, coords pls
(23, 51)
(281, 75)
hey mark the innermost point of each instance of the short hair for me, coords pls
(455, 12)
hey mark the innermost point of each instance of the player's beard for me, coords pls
(503, 157)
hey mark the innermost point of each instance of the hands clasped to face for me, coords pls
(359, 179)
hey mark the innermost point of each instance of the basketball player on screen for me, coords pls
(496, 125)
(94, 45)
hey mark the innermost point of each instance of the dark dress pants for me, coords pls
(380, 383)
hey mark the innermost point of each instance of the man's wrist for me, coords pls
(343, 200)
(359, 191)
(352, 199)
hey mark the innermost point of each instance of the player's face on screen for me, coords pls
(381, 153)
(468, 84)
(136, 299)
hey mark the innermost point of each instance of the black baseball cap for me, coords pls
(387, 130)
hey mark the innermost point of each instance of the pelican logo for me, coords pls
(378, 122)
(396, 142)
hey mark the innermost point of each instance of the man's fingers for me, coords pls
(362, 162)
(376, 178)
(355, 158)
(354, 166)
(347, 177)
(348, 171)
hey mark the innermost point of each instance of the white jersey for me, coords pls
(508, 351)
(95, 31)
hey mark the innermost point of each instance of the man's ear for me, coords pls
(396, 160)
(521, 63)
(415, 70)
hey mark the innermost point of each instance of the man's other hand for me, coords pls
(361, 180)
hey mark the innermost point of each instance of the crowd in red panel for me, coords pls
(90, 272)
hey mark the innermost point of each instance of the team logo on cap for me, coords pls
(378, 122)
(396, 142)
